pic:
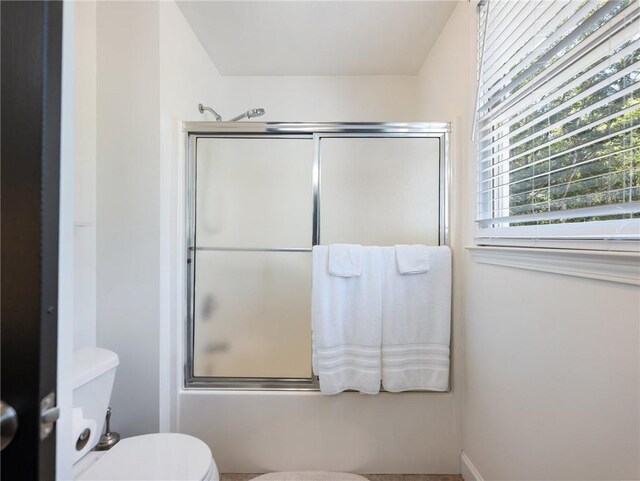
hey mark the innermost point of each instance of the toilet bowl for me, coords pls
(151, 457)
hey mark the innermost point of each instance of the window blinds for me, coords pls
(558, 119)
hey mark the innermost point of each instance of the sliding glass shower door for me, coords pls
(254, 207)
(380, 191)
(257, 205)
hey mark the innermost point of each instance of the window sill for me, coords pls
(611, 266)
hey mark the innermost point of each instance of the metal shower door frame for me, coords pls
(315, 131)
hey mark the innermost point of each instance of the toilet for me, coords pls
(151, 457)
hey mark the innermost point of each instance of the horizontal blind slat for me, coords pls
(625, 41)
(521, 45)
(567, 32)
(502, 144)
(626, 229)
(525, 46)
(566, 205)
(562, 101)
(530, 78)
(550, 191)
(632, 142)
(503, 47)
(599, 211)
(499, 15)
(582, 129)
(498, 186)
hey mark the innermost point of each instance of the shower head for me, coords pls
(249, 114)
(255, 113)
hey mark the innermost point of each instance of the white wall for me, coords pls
(128, 216)
(555, 380)
(551, 362)
(376, 98)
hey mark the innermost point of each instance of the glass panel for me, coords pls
(380, 191)
(254, 192)
(253, 314)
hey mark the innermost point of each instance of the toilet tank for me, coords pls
(94, 371)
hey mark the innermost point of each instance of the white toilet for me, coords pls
(152, 457)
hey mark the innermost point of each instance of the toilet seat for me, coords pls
(155, 457)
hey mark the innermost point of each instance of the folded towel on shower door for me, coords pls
(412, 259)
(345, 260)
(416, 313)
(347, 324)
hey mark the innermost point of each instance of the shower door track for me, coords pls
(291, 130)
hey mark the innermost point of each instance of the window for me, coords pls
(558, 120)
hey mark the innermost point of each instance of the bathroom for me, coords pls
(544, 376)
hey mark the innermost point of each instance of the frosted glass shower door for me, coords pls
(380, 191)
(252, 289)
(254, 192)
(258, 203)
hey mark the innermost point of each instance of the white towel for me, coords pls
(347, 324)
(416, 312)
(412, 259)
(345, 260)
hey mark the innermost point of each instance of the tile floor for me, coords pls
(371, 477)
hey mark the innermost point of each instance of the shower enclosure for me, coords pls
(259, 197)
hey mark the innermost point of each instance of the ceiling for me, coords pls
(356, 37)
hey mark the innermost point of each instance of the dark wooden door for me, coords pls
(31, 52)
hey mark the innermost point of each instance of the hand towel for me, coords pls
(412, 259)
(416, 317)
(345, 260)
(347, 324)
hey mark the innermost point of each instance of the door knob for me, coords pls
(8, 424)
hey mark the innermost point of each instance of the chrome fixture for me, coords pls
(9, 422)
(49, 414)
(249, 114)
(202, 108)
(108, 439)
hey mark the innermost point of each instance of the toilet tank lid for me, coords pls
(91, 362)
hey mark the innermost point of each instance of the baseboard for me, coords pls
(468, 470)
